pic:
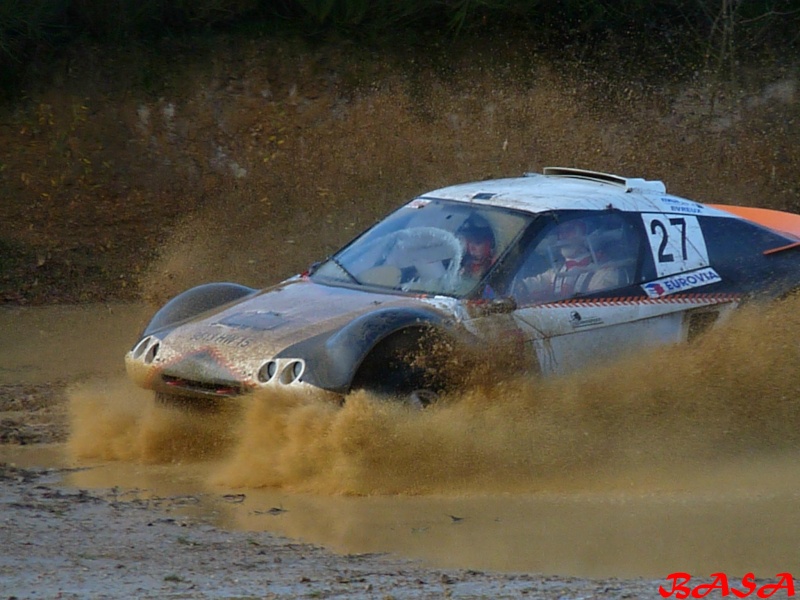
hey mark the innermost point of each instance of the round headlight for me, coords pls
(292, 372)
(151, 353)
(297, 370)
(140, 348)
(267, 371)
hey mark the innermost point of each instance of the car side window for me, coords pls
(428, 246)
(576, 255)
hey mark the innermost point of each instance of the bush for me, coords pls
(720, 30)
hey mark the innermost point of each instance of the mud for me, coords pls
(670, 411)
(66, 543)
(614, 477)
(738, 518)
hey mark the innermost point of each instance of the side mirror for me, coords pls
(502, 306)
(314, 266)
(496, 306)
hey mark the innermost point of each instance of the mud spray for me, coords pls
(664, 418)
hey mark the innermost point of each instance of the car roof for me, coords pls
(562, 188)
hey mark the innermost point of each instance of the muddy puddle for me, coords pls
(681, 460)
(741, 519)
(65, 343)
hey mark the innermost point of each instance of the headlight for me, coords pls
(267, 371)
(282, 371)
(292, 372)
(147, 349)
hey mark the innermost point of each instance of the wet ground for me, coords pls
(738, 521)
(457, 488)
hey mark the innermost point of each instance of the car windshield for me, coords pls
(428, 246)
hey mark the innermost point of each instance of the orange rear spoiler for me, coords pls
(783, 222)
(777, 220)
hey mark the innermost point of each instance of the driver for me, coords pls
(578, 271)
(478, 239)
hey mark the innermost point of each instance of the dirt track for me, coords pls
(74, 544)
(71, 542)
(70, 531)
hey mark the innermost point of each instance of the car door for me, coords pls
(570, 320)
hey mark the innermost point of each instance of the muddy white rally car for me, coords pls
(564, 267)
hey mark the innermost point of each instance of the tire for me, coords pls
(405, 368)
(422, 398)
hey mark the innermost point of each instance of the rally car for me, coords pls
(566, 267)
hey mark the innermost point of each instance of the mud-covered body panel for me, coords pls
(329, 328)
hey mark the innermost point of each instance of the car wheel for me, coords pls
(421, 398)
(407, 367)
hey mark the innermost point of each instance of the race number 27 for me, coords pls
(676, 243)
(658, 228)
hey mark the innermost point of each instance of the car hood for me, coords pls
(281, 316)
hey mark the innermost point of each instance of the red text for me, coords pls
(681, 586)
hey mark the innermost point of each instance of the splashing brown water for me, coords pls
(680, 459)
(677, 409)
(671, 415)
(111, 421)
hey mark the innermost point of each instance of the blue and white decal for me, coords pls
(680, 283)
(676, 242)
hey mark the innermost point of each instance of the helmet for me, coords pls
(477, 230)
(571, 238)
(479, 243)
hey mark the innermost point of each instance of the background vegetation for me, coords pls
(718, 31)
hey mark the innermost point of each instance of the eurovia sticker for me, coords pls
(681, 282)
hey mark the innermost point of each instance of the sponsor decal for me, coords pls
(577, 321)
(677, 205)
(680, 283)
(222, 339)
(263, 320)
